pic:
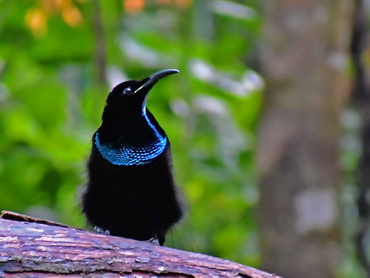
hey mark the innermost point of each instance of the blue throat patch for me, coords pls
(128, 155)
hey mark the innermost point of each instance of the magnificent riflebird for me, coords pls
(131, 190)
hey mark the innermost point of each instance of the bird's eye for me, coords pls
(127, 90)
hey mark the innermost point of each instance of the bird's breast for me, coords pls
(128, 155)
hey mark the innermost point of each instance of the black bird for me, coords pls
(131, 190)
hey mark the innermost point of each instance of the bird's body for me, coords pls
(131, 190)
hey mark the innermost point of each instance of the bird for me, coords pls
(130, 190)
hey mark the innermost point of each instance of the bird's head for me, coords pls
(128, 98)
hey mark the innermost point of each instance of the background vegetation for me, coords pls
(52, 99)
(60, 58)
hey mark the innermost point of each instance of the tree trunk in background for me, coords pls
(361, 96)
(304, 58)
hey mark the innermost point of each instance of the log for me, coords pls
(29, 248)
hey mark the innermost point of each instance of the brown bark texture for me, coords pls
(304, 60)
(29, 249)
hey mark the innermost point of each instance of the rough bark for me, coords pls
(304, 58)
(29, 249)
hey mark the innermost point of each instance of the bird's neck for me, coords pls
(135, 140)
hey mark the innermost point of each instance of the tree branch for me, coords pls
(36, 250)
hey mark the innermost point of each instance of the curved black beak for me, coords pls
(151, 80)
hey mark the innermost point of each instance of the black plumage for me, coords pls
(131, 190)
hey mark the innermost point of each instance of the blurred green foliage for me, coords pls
(51, 101)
